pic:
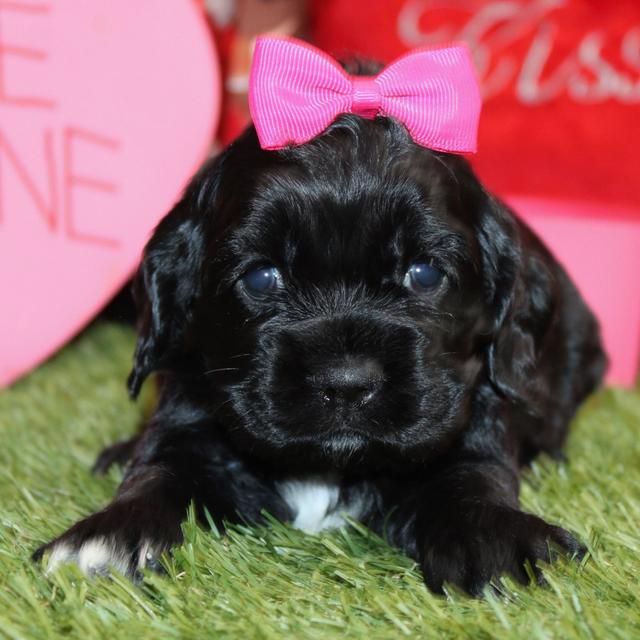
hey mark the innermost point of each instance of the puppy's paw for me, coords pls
(98, 556)
(486, 541)
(118, 537)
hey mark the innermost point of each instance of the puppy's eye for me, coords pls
(423, 276)
(259, 282)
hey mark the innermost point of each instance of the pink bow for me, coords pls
(296, 91)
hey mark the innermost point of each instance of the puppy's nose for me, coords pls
(351, 383)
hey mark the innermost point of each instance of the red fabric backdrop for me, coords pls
(561, 81)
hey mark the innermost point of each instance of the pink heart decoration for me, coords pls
(106, 109)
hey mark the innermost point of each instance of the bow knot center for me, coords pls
(366, 96)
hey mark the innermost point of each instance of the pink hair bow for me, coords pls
(296, 91)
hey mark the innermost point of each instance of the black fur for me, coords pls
(468, 381)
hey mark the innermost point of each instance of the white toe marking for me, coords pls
(61, 554)
(98, 554)
(147, 552)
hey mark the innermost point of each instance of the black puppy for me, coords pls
(351, 326)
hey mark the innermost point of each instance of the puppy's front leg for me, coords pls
(173, 465)
(465, 527)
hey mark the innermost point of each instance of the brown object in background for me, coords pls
(246, 20)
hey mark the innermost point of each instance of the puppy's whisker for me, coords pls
(211, 371)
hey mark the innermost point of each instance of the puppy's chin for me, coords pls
(343, 447)
(340, 448)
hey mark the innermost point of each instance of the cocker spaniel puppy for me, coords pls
(349, 326)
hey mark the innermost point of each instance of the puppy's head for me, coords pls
(339, 298)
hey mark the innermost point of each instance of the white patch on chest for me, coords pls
(316, 504)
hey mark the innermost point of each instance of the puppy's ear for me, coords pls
(169, 280)
(520, 290)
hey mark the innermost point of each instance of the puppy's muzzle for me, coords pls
(355, 371)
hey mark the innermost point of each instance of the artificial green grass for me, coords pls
(275, 582)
